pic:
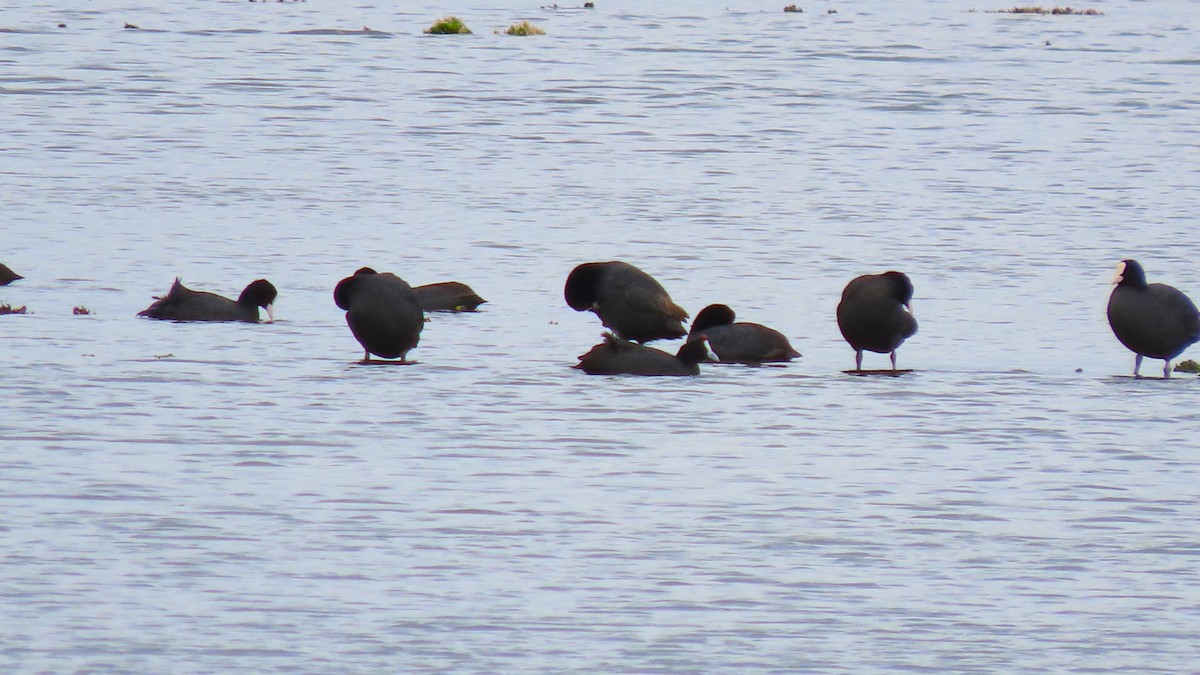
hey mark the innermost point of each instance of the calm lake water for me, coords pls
(246, 498)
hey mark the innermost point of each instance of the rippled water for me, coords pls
(219, 498)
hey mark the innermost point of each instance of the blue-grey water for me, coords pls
(246, 498)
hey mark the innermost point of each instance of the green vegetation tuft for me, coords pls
(1188, 366)
(450, 25)
(524, 28)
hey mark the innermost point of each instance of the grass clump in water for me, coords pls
(1188, 366)
(524, 28)
(449, 25)
(793, 8)
(9, 309)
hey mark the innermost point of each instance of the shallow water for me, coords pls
(246, 497)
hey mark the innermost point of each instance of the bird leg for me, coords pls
(1167, 369)
(893, 359)
(858, 359)
(1137, 364)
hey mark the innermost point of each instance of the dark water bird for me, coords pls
(382, 311)
(628, 301)
(8, 276)
(1154, 320)
(615, 356)
(875, 314)
(448, 296)
(740, 342)
(184, 304)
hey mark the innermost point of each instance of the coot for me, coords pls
(615, 356)
(184, 304)
(1152, 320)
(740, 342)
(875, 314)
(8, 276)
(382, 311)
(627, 300)
(448, 296)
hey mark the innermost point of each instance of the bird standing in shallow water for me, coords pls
(1152, 320)
(382, 311)
(875, 314)
(628, 301)
(184, 304)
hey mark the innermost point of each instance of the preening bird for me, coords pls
(628, 301)
(875, 314)
(382, 311)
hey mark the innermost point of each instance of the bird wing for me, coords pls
(1181, 311)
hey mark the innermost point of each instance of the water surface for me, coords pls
(216, 498)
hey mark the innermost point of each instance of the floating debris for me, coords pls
(131, 26)
(366, 30)
(1188, 366)
(9, 309)
(450, 25)
(81, 311)
(1048, 10)
(793, 8)
(523, 28)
